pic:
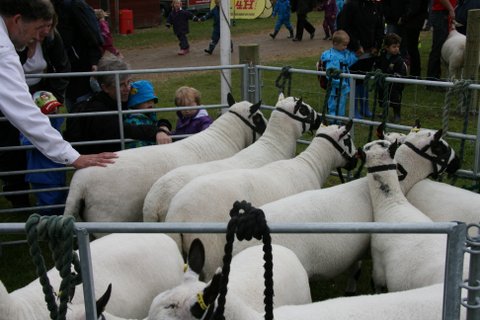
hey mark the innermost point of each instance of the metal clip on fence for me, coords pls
(247, 222)
(472, 302)
(59, 232)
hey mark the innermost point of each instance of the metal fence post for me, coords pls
(87, 274)
(472, 302)
(452, 291)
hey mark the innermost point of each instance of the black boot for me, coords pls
(273, 35)
(291, 33)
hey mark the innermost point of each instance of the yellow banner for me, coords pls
(248, 9)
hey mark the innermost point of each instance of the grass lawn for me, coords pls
(15, 267)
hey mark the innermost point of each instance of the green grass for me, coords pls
(15, 267)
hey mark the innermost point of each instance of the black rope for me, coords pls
(247, 222)
(331, 74)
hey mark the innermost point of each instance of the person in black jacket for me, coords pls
(302, 8)
(106, 127)
(391, 62)
(363, 21)
(78, 26)
(406, 18)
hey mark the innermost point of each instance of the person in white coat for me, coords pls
(21, 22)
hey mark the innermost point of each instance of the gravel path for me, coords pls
(270, 50)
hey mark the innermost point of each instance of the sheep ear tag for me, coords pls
(230, 100)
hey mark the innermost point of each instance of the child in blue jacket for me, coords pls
(340, 58)
(48, 104)
(282, 11)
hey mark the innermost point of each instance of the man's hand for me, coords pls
(163, 138)
(99, 159)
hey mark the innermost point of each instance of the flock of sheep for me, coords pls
(242, 157)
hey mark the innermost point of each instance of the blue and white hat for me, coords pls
(141, 91)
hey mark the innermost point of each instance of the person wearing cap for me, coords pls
(21, 22)
(48, 104)
(107, 127)
(106, 34)
(142, 96)
(193, 120)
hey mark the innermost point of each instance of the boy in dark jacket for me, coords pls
(391, 62)
(179, 19)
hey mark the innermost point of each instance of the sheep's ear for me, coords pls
(231, 101)
(196, 256)
(281, 96)
(102, 302)
(392, 149)
(381, 131)
(324, 121)
(453, 166)
(438, 135)
(212, 290)
(360, 154)
(349, 125)
(417, 124)
(298, 105)
(255, 107)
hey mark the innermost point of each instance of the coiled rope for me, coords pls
(284, 78)
(331, 73)
(375, 80)
(247, 222)
(461, 91)
(59, 232)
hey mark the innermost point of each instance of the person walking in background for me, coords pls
(142, 96)
(338, 57)
(302, 8)
(340, 4)
(23, 22)
(106, 34)
(363, 21)
(441, 18)
(78, 26)
(391, 63)
(178, 18)
(329, 19)
(190, 121)
(48, 104)
(281, 10)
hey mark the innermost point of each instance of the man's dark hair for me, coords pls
(30, 10)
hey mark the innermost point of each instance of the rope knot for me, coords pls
(250, 223)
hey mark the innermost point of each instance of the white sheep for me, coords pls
(245, 284)
(286, 124)
(444, 202)
(138, 265)
(400, 261)
(116, 192)
(328, 255)
(453, 53)
(417, 304)
(210, 197)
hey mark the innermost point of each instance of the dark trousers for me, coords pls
(439, 22)
(13, 161)
(182, 37)
(411, 37)
(302, 23)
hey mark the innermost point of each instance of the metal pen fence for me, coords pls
(458, 242)
(253, 87)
